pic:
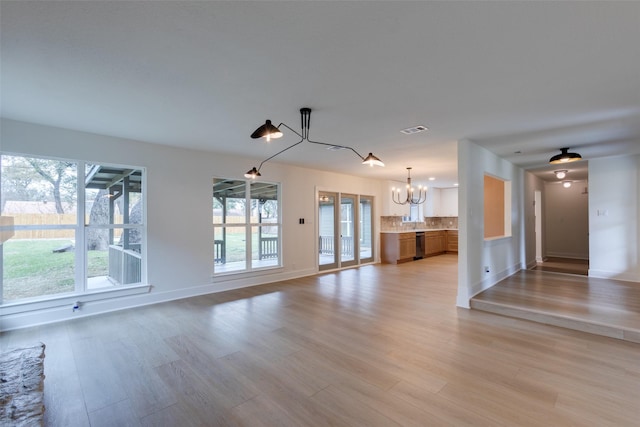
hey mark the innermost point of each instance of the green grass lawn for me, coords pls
(32, 269)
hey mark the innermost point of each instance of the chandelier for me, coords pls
(269, 131)
(412, 198)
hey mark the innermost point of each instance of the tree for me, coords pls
(58, 175)
(98, 238)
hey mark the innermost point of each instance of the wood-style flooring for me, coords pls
(381, 345)
(599, 306)
(564, 265)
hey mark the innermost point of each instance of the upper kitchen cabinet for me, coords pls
(442, 202)
(448, 202)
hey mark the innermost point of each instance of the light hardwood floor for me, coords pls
(600, 306)
(381, 345)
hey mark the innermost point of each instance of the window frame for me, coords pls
(249, 262)
(80, 274)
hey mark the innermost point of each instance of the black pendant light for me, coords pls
(268, 131)
(565, 157)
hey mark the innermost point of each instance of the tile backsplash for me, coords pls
(394, 223)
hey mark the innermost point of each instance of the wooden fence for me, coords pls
(48, 220)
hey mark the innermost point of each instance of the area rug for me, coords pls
(21, 386)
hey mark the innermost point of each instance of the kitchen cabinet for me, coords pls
(435, 242)
(452, 241)
(442, 202)
(448, 202)
(398, 247)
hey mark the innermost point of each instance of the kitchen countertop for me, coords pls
(418, 229)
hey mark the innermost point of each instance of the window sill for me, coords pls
(70, 299)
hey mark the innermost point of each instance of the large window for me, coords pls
(246, 225)
(68, 227)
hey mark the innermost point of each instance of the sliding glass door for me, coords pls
(345, 230)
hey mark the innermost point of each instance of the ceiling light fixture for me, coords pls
(411, 197)
(565, 157)
(566, 184)
(561, 174)
(269, 131)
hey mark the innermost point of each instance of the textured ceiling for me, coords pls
(525, 77)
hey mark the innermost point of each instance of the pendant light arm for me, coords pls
(278, 153)
(344, 147)
(292, 130)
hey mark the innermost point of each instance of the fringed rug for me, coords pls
(21, 386)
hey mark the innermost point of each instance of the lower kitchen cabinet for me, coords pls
(435, 242)
(452, 241)
(398, 247)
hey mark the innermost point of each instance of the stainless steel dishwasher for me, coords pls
(419, 245)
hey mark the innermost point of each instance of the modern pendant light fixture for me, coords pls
(252, 174)
(412, 198)
(565, 157)
(269, 131)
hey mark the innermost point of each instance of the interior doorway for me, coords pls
(561, 223)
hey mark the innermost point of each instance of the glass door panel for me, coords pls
(327, 241)
(366, 229)
(348, 238)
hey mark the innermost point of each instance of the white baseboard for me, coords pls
(604, 274)
(91, 307)
(493, 279)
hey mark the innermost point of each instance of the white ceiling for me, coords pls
(527, 77)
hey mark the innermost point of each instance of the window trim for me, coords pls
(248, 231)
(81, 291)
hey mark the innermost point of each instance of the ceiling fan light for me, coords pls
(372, 160)
(565, 157)
(268, 131)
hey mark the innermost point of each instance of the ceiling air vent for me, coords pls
(415, 129)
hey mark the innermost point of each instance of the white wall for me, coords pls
(179, 228)
(532, 184)
(614, 218)
(566, 213)
(503, 256)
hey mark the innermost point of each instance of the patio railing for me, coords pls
(125, 265)
(326, 245)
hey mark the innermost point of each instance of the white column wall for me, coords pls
(614, 218)
(503, 256)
